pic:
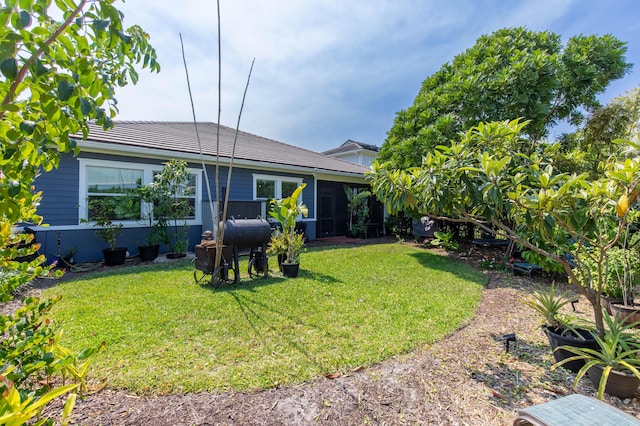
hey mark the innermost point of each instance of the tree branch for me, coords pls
(10, 96)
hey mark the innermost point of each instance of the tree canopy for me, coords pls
(588, 148)
(60, 64)
(56, 76)
(494, 179)
(512, 73)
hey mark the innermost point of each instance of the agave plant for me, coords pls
(617, 350)
(549, 304)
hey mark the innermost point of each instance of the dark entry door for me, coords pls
(333, 214)
(326, 212)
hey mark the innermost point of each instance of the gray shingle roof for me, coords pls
(181, 137)
(351, 145)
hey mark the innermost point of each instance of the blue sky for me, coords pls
(331, 70)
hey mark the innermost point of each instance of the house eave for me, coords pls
(353, 151)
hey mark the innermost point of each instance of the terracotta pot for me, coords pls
(629, 314)
(606, 302)
(619, 383)
(556, 339)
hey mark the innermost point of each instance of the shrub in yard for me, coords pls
(59, 68)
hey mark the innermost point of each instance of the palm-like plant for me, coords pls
(286, 212)
(548, 304)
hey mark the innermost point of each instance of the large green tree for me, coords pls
(492, 178)
(511, 73)
(588, 148)
(60, 64)
(57, 75)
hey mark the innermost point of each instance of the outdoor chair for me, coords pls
(525, 268)
(490, 242)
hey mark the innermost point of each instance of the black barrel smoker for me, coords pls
(239, 234)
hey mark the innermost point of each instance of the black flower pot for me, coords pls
(290, 269)
(148, 253)
(619, 383)
(281, 259)
(114, 257)
(556, 339)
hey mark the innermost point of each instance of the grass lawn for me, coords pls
(348, 307)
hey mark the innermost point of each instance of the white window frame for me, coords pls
(148, 172)
(278, 188)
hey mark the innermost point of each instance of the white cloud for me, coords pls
(326, 70)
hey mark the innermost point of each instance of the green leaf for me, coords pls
(39, 68)
(68, 406)
(27, 127)
(100, 24)
(14, 188)
(10, 107)
(25, 18)
(85, 106)
(549, 224)
(125, 37)
(9, 68)
(65, 90)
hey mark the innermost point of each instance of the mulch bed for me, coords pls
(467, 378)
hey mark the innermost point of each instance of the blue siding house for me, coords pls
(132, 152)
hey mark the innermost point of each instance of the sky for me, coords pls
(331, 70)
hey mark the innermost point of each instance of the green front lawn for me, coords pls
(349, 307)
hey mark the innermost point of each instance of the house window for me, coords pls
(265, 188)
(186, 195)
(118, 180)
(288, 187)
(269, 187)
(116, 184)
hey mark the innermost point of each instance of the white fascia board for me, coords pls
(354, 151)
(321, 175)
(141, 152)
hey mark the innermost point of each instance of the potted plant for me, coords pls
(171, 207)
(66, 257)
(156, 232)
(277, 247)
(102, 212)
(286, 212)
(358, 204)
(623, 271)
(560, 329)
(291, 263)
(612, 366)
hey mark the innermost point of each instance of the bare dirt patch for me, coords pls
(468, 378)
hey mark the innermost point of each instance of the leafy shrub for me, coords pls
(30, 358)
(446, 240)
(496, 263)
(621, 268)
